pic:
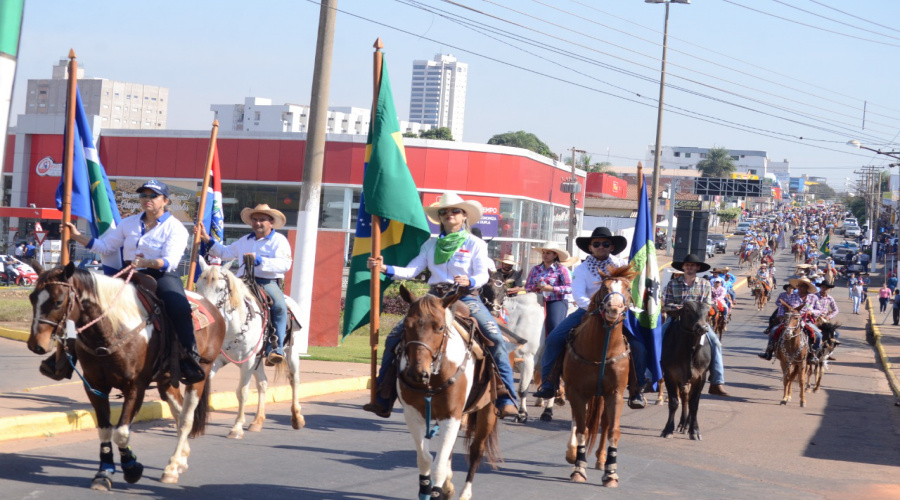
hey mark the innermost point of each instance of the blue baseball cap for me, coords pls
(155, 186)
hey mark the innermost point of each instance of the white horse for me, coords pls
(243, 342)
(526, 319)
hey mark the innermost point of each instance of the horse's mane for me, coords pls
(123, 312)
(235, 288)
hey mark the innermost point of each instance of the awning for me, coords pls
(31, 213)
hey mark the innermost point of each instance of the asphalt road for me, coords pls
(844, 444)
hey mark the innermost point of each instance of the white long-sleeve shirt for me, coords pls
(166, 241)
(273, 254)
(470, 260)
(585, 284)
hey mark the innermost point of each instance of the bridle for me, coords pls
(223, 300)
(437, 355)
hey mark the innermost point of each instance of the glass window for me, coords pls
(509, 218)
(331, 211)
(236, 197)
(546, 221)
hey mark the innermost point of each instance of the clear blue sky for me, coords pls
(726, 62)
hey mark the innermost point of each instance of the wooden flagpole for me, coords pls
(195, 247)
(375, 280)
(71, 100)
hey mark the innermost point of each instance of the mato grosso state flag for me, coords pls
(645, 325)
(92, 195)
(10, 27)
(389, 192)
(213, 215)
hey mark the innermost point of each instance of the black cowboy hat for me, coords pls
(826, 284)
(786, 285)
(692, 258)
(618, 242)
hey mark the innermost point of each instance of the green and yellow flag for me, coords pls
(825, 249)
(389, 192)
(10, 27)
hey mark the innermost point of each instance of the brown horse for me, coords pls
(685, 363)
(595, 371)
(799, 251)
(717, 319)
(119, 348)
(440, 380)
(818, 362)
(791, 350)
(750, 258)
(759, 292)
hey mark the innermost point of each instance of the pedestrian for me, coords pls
(896, 303)
(892, 281)
(884, 294)
(856, 293)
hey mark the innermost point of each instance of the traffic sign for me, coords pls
(38, 228)
(39, 236)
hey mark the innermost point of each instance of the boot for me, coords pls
(191, 371)
(636, 400)
(770, 349)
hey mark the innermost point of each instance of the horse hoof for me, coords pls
(578, 477)
(236, 434)
(101, 483)
(255, 427)
(612, 483)
(521, 418)
(783, 402)
(546, 417)
(802, 404)
(134, 473)
(598, 465)
(559, 401)
(169, 477)
(696, 437)
(298, 422)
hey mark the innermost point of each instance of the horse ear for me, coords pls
(37, 267)
(203, 264)
(450, 299)
(407, 295)
(228, 265)
(69, 270)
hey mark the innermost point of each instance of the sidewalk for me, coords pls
(886, 339)
(32, 405)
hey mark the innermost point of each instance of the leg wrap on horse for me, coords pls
(107, 460)
(425, 487)
(131, 468)
(580, 463)
(610, 472)
(437, 492)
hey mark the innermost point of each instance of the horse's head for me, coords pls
(692, 318)
(218, 284)
(829, 335)
(425, 331)
(614, 295)
(493, 294)
(54, 301)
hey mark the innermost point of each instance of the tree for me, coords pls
(822, 191)
(412, 135)
(728, 215)
(524, 140)
(718, 163)
(857, 205)
(440, 134)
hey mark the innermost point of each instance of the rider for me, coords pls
(454, 258)
(272, 257)
(763, 275)
(154, 242)
(688, 287)
(728, 280)
(720, 296)
(552, 279)
(508, 273)
(603, 248)
(804, 301)
(827, 310)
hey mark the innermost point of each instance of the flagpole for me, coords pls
(68, 161)
(195, 247)
(375, 280)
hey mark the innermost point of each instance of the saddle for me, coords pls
(483, 392)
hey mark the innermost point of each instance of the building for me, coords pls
(438, 93)
(258, 114)
(686, 158)
(120, 105)
(521, 211)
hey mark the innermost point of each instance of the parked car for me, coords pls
(840, 254)
(720, 241)
(742, 228)
(851, 231)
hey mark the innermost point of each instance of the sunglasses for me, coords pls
(152, 196)
(444, 211)
(604, 244)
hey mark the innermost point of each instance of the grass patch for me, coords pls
(355, 348)
(15, 310)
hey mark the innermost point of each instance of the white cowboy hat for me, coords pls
(552, 246)
(803, 282)
(473, 209)
(507, 259)
(278, 218)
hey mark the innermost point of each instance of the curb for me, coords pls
(882, 355)
(11, 334)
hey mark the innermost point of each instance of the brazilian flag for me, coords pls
(825, 249)
(389, 192)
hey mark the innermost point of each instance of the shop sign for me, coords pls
(46, 167)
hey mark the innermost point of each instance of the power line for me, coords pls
(833, 20)
(854, 16)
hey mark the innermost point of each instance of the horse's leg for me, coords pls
(613, 411)
(802, 375)
(660, 394)
(672, 389)
(524, 383)
(786, 381)
(696, 392)
(258, 371)
(485, 431)
(242, 392)
(103, 479)
(178, 461)
(293, 366)
(417, 426)
(442, 471)
(601, 447)
(132, 469)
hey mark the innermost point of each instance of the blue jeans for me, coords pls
(716, 364)
(556, 313)
(555, 344)
(490, 329)
(731, 294)
(279, 311)
(856, 301)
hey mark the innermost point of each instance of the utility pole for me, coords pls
(573, 215)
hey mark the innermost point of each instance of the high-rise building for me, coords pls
(438, 94)
(118, 104)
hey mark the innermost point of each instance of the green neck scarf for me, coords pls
(448, 245)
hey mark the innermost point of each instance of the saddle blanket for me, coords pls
(199, 313)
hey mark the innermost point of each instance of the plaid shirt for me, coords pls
(792, 299)
(827, 307)
(677, 292)
(556, 275)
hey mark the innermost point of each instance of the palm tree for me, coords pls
(718, 163)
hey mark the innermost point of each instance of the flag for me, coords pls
(825, 249)
(389, 192)
(92, 195)
(10, 27)
(644, 324)
(213, 220)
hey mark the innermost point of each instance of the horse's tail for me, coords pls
(201, 414)
(490, 447)
(592, 424)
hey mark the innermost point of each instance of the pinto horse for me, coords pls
(244, 342)
(595, 371)
(685, 363)
(818, 363)
(440, 380)
(119, 348)
(791, 350)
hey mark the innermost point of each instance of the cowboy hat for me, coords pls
(552, 246)
(693, 259)
(473, 209)
(507, 259)
(618, 242)
(722, 270)
(826, 284)
(571, 261)
(278, 218)
(803, 283)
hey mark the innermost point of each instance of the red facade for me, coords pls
(605, 186)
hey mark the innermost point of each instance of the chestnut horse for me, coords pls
(685, 363)
(595, 372)
(439, 380)
(119, 348)
(791, 350)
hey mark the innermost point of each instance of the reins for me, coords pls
(220, 304)
(609, 327)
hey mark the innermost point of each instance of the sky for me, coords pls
(794, 78)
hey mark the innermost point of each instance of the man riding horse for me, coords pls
(804, 302)
(508, 273)
(271, 254)
(687, 287)
(765, 278)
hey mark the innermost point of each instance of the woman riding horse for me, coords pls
(154, 242)
(455, 258)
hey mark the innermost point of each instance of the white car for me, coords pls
(851, 231)
(742, 227)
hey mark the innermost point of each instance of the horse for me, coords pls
(440, 378)
(758, 291)
(750, 258)
(525, 317)
(717, 319)
(685, 362)
(818, 362)
(595, 370)
(829, 275)
(799, 251)
(244, 340)
(773, 244)
(791, 350)
(119, 347)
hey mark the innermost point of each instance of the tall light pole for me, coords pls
(572, 187)
(654, 192)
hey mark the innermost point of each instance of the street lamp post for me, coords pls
(654, 192)
(876, 193)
